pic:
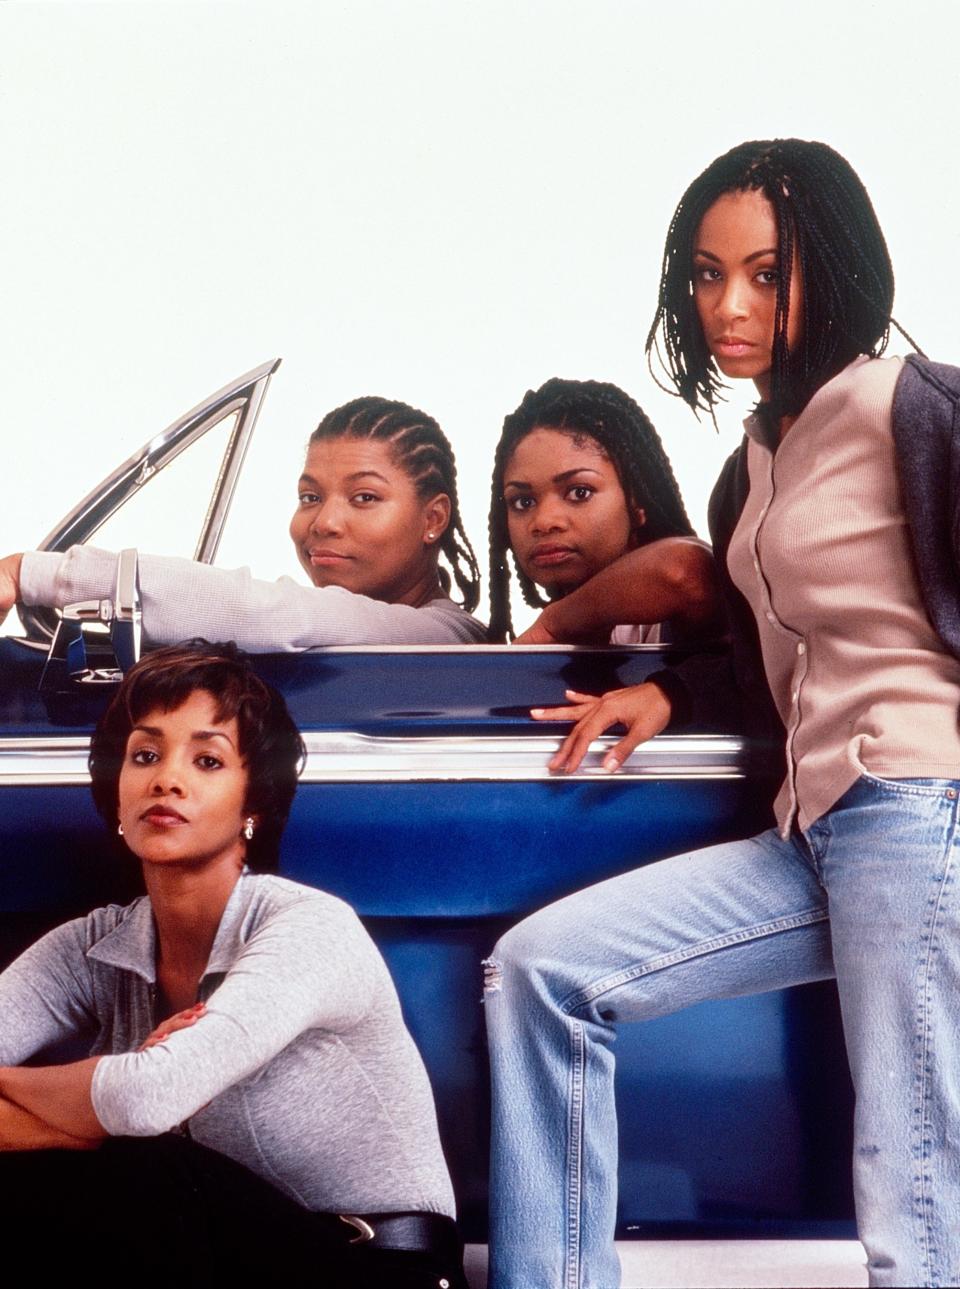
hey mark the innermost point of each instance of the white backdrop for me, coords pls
(441, 201)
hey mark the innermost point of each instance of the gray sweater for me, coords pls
(182, 598)
(301, 1068)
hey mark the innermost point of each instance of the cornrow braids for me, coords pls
(825, 218)
(423, 451)
(604, 413)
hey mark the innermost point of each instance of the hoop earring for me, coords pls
(119, 830)
(248, 827)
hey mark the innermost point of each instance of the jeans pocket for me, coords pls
(921, 787)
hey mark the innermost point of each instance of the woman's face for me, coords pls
(183, 787)
(567, 513)
(735, 286)
(359, 523)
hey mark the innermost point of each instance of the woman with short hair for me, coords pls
(253, 1109)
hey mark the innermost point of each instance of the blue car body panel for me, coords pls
(734, 1115)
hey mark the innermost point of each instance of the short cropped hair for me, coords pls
(270, 744)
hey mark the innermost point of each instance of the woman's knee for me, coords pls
(531, 962)
(511, 958)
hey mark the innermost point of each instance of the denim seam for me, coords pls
(574, 1157)
(702, 949)
(903, 788)
(924, 1188)
(818, 838)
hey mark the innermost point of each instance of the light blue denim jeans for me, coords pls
(869, 895)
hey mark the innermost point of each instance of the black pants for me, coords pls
(166, 1211)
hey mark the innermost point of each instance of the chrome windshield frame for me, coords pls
(243, 396)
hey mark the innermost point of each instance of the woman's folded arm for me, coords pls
(21, 1130)
(310, 966)
(303, 969)
(46, 995)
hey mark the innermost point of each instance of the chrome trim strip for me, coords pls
(346, 757)
(482, 650)
(126, 629)
(43, 762)
(476, 650)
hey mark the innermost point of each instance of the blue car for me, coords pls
(427, 804)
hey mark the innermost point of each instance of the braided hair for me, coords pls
(623, 432)
(422, 450)
(824, 218)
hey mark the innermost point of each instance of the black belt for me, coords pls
(413, 1232)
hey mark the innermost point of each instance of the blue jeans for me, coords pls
(868, 894)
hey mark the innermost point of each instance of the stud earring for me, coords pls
(248, 827)
(430, 536)
(119, 830)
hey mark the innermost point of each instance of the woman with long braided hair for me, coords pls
(834, 528)
(585, 501)
(377, 507)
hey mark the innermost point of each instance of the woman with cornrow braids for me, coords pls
(377, 506)
(585, 501)
(834, 528)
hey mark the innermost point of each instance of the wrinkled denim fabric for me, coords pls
(868, 894)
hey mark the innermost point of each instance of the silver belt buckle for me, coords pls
(366, 1231)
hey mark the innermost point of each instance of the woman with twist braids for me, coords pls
(585, 501)
(837, 548)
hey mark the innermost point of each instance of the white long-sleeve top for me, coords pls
(182, 598)
(301, 1067)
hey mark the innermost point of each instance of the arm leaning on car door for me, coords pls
(182, 598)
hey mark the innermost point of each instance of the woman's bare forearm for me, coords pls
(9, 583)
(59, 1095)
(673, 579)
(21, 1130)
